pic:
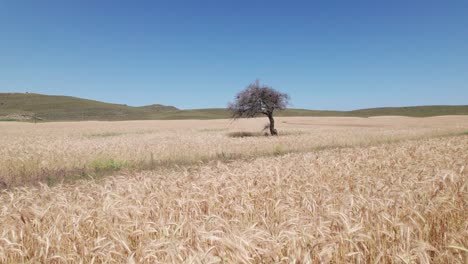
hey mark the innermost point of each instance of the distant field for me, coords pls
(30, 107)
(48, 152)
(327, 190)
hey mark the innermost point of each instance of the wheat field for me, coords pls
(54, 152)
(327, 190)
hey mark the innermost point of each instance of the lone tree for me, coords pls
(259, 99)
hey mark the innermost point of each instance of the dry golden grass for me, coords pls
(52, 152)
(394, 203)
(386, 198)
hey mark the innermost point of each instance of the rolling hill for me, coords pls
(30, 106)
(58, 108)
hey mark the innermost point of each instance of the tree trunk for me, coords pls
(273, 131)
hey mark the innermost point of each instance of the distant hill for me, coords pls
(55, 108)
(29, 106)
(412, 111)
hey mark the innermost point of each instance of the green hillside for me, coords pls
(28, 106)
(55, 108)
(414, 111)
(417, 111)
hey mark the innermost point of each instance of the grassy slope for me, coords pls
(55, 108)
(415, 111)
(419, 111)
(50, 107)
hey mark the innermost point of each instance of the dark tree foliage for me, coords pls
(259, 99)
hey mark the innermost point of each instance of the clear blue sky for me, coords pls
(196, 54)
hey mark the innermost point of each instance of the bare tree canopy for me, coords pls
(259, 99)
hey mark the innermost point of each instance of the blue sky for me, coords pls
(195, 54)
